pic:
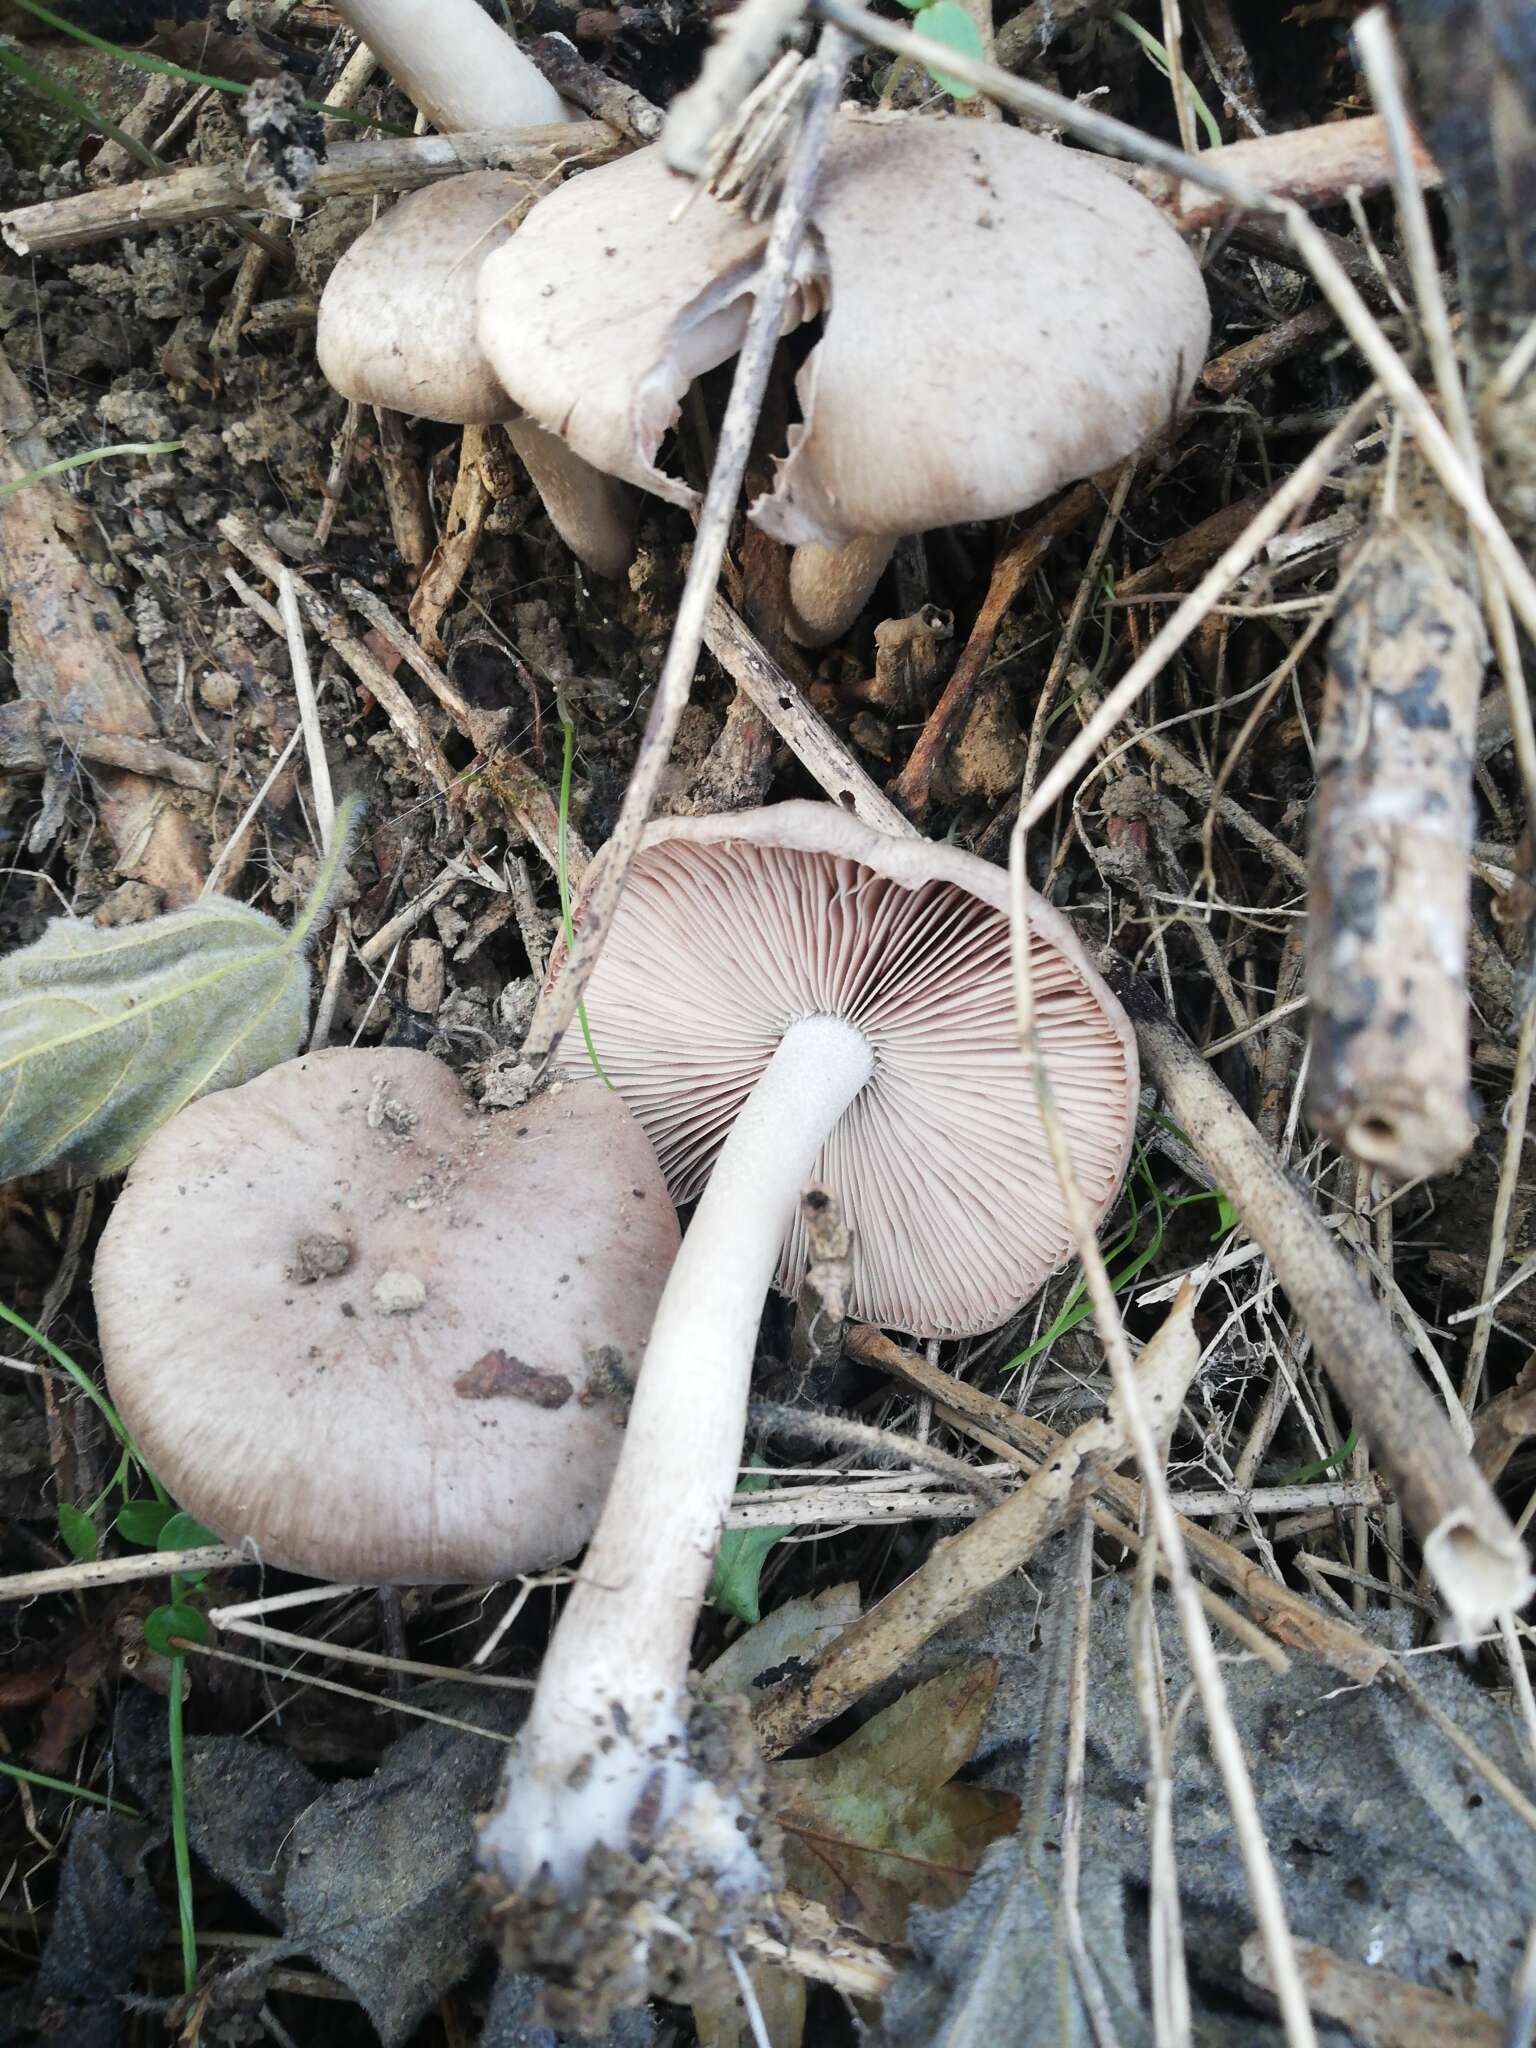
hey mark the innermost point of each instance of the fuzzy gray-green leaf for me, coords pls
(104, 1034)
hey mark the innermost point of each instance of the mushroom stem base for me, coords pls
(652, 1919)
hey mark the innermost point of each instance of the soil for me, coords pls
(122, 343)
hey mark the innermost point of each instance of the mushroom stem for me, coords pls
(593, 514)
(603, 1757)
(459, 68)
(829, 587)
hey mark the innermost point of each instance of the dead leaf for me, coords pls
(875, 1826)
(781, 2001)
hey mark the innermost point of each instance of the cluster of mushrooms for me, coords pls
(482, 1343)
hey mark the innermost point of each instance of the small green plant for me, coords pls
(1077, 1308)
(47, 1784)
(140, 61)
(946, 22)
(1159, 56)
(740, 1559)
(106, 1032)
(160, 1525)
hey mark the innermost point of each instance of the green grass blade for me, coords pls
(563, 877)
(162, 67)
(84, 110)
(90, 455)
(47, 1784)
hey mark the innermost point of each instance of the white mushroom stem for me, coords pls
(829, 587)
(593, 514)
(456, 64)
(603, 1758)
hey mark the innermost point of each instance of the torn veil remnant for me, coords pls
(783, 992)
(370, 1334)
(1002, 317)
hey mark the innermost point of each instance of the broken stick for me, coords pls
(1390, 1074)
(1469, 1544)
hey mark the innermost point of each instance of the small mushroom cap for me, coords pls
(397, 315)
(732, 928)
(374, 1336)
(1046, 316)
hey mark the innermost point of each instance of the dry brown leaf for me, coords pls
(876, 1827)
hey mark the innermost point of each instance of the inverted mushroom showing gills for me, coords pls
(375, 1337)
(1003, 316)
(783, 993)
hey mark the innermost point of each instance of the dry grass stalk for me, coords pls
(1286, 1615)
(243, 533)
(450, 560)
(31, 742)
(821, 1308)
(1469, 1546)
(1018, 561)
(1140, 1421)
(959, 1570)
(795, 719)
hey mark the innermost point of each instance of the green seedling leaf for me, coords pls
(875, 1826)
(78, 1532)
(182, 1531)
(947, 22)
(141, 1521)
(161, 1623)
(105, 1034)
(740, 1559)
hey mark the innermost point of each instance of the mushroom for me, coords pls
(375, 1337)
(397, 329)
(459, 68)
(786, 993)
(1003, 316)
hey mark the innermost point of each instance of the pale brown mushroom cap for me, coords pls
(374, 1336)
(1042, 319)
(1004, 316)
(732, 928)
(397, 315)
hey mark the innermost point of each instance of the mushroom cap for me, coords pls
(375, 1336)
(397, 316)
(1047, 315)
(599, 327)
(732, 928)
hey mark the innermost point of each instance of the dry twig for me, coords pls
(1469, 1546)
(209, 191)
(958, 1571)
